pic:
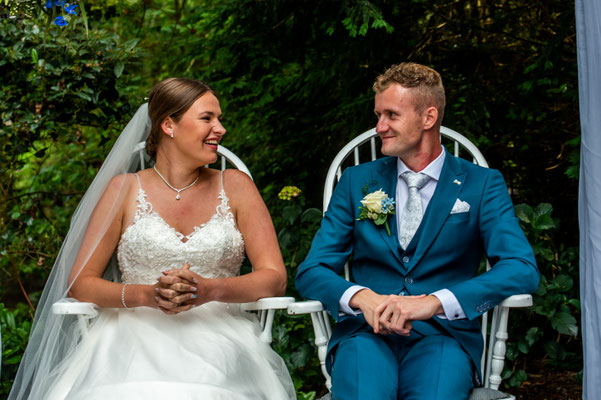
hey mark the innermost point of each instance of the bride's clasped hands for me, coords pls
(180, 290)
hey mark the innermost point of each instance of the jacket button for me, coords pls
(406, 259)
(408, 280)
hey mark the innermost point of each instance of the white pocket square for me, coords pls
(460, 207)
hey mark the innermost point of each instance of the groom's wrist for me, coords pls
(360, 298)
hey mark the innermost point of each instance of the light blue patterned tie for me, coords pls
(412, 213)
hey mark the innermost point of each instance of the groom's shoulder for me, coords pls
(470, 166)
(376, 164)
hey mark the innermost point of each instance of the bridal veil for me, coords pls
(54, 337)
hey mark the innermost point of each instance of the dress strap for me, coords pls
(224, 207)
(144, 207)
(139, 183)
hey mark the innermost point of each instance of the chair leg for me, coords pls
(320, 327)
(82, 321)
(499, 350)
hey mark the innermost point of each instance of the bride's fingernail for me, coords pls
(156, 289)
(195, 280)
(156, 299)
(194, 296)
(194, 288)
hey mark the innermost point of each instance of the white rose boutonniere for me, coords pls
(377, 206)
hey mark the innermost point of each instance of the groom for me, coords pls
(407, 327)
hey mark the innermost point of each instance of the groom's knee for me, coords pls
(364, 368)
(436, 367)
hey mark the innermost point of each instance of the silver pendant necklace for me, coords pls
(168, 184)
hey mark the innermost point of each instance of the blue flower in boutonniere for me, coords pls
(377, 206)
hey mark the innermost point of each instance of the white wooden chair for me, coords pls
(265, 307)
(493, 357)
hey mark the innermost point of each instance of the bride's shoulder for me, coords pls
(124, 186)
(122, 181)
(239, 187)
(237, 180)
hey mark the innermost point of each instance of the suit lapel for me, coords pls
(388, 174)
(450, 184)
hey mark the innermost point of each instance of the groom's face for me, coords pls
(400, 126)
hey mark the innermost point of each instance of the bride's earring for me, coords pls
(171, 132)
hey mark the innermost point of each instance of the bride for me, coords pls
(173, 327)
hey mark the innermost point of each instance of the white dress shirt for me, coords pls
(452, 308)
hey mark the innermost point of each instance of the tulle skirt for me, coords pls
(210, 352)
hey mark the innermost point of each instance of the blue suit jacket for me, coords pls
(445, 252)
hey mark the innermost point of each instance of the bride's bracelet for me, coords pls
(123, 296)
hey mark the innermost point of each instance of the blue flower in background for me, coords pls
(60, 21)
(48, 4)
(71, 9)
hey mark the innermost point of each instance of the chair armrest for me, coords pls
(268, 303)
(305, 307)
(266, 308)
(83, 311)
(517, 300)
(74, 307)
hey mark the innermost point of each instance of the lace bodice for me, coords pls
(149, 246)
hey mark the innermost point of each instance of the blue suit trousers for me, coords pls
(370, 366)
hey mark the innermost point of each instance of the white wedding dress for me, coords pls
(210, 352)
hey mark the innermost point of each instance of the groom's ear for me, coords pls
(429, 117)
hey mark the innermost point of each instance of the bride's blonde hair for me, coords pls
(171, 97)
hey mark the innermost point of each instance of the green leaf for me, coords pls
(524, 212)
(311, 216)
(84, 96)
(291, 213)
(565, 324)
(34, 56)
(13, 360)
(286, 238)
(554, 350)
(544, 222)
(521, 375)
(574, 303)
(563, 282)
(543, 209)
(512, 351)
(118, 69)
(533, 335)
(381, 219)
(523, 346)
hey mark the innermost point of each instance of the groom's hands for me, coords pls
(392, 313)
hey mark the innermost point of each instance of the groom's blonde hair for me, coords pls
(425, 81)
(171, 97)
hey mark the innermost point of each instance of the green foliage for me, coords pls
(551, 325)
(293, 335)
(61, 106)
(15, 325)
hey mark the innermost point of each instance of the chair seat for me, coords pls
(477, 394)
(489, 394)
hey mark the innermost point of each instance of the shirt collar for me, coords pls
(433, 169)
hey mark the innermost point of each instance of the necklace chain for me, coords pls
(170, 186)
